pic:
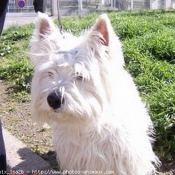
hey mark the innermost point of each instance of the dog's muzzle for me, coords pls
(55, 100)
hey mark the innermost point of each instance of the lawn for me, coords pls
(148, 39)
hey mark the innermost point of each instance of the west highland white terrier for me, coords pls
(81, 88)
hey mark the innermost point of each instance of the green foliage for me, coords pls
(78, 24)
(14, 61)
(148, 39)
(20, 72)
(10, 38)
(150, 53)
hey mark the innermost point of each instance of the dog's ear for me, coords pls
(44, 25)
(104, 28)
(44, 39)
(102, 34)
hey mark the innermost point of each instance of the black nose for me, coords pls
(55, 100)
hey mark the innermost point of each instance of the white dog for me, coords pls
(81, 88)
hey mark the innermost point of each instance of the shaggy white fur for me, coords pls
(81, 88)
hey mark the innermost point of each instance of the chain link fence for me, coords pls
(131, 4)
(139, 4)
(77, 7)
(88, 6)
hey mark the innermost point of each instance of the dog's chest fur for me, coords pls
(91, 149)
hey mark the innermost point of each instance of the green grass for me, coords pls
(148, 39)
(15, 67)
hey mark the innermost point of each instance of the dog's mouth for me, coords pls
(59, 110)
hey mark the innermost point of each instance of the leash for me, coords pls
(59, 18)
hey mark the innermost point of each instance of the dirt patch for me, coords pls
(168, 168)
(16, 118)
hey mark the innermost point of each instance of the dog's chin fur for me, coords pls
(102, 125)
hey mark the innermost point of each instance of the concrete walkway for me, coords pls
(20, 19)
(21, 159)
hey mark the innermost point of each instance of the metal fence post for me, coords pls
(132, 5)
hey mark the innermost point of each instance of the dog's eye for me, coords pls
(50, 74)
(79, 77)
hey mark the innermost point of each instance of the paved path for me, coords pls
(20, 19)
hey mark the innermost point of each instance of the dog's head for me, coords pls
(72, 75)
